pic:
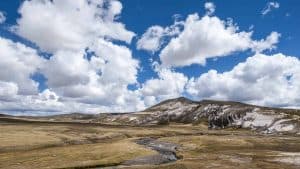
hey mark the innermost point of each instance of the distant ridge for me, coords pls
(214, 114)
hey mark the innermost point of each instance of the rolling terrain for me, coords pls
(176, 133)
(214, 114)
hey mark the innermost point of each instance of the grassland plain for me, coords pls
(27, 145)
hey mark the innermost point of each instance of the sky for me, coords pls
(94, 56)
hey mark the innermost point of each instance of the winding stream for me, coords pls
(166, 153)
(166, 150)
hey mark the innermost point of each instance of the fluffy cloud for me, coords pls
(66, 68)
(2, 17)
(70, 25)
(153, 39)
(86, 72)
(18, 63)
(8, 90)
(49, 103)
(210, 8)
(210, 37)
(89, 72)
(169, 84)
(261, 79)
(118, 62)
(101, 80)
(268, 43)
(18, 92)
(199, 38)
(270, 6)
(86, 66)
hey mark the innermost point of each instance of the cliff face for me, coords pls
(215, 114)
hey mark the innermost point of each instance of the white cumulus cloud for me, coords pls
(86, 72)
(18, 63)
(153, 39)
(70, 25)
(261, 79)
(169, 84)
(8, 90)
(210, 37)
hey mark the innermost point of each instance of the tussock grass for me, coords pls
(46, 145)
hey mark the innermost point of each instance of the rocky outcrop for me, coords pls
(216, 114)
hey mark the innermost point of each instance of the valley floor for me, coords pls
(27, 145)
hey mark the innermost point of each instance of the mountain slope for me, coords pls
(216, 114)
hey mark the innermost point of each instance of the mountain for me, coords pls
(214, 114)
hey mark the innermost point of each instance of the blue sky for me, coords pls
(100, 60)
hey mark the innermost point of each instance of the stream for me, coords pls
(166, 150)
(166, 153)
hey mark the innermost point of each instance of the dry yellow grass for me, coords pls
(62, 146)
(236, 151)
(47, 145)
(99, 154)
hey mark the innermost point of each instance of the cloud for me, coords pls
(18, 92)
(49, 103)
(269, 7)
(210, 8)
(261, 79)
(70, 25)
(169, 84)
(44, 103)
(268, 43)
(153, 39)
(8, 90)
(2, 17)
(66, 68)
(89, 71)
(86, 72)
(210, 37)
(101, 80)
(18, 63)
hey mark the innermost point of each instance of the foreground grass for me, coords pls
(238, 151)
(47, 145)
(50, 145)
(99, 154)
